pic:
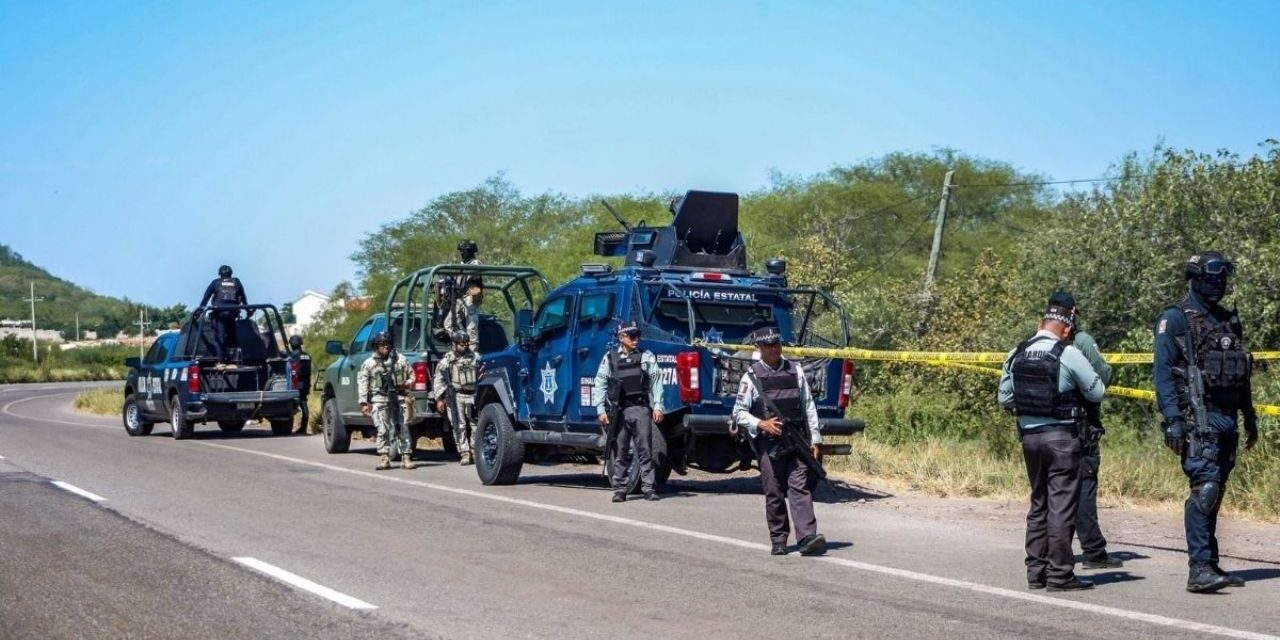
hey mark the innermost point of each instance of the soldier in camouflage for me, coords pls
(465, 314)
(381, 385)
(454, 388)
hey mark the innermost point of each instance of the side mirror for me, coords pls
(133, 362)
(334, 348)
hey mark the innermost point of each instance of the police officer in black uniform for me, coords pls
(224, 291)
(304, 380)
(1200, 331)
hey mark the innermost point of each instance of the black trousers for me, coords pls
(306, 413)
(1053, 467)
(787, 482)
(636, 429)
(224, 333)
(1092, 541)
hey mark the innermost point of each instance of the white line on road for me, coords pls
(304, 584)
(78, 491)
(1185, 625)
(1116, 612)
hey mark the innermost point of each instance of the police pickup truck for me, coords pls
(184, 382)
(688, 287)
(414, 316)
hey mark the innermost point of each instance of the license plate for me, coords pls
(244, 405)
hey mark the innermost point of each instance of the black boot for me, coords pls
(813, 545)
(1103, 561)
(1202, 579)
(1074, 584)
(619, 497)
(779, 549)
(1232, 581)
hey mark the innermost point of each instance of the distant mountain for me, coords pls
(62, 300)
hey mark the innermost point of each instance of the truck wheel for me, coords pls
(499, 454)
(182, 428)
(336, 437)
(134, 425)
(661, 463)
(231, 426)
(282, 427)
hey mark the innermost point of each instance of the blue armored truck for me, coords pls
(689, 287)
(191, 377)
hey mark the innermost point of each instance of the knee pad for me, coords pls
(1206, 497)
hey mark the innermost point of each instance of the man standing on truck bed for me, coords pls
(777, 388)
(454, 388)
(380, 385)
(468, 289)
(224, 291)
(628, 399)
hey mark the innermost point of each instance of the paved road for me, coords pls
(440, 555)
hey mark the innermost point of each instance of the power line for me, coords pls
(876, 269)
(890, 208)
(1005, 185)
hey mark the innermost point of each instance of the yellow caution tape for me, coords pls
(871, 355)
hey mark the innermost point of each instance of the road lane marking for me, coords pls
(78, 491)
(1012, 594)
(300, 582)
(1137, 616)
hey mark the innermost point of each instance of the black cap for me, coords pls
(1065, 315)
(1062, 299)
(628, 326)
(765, 336)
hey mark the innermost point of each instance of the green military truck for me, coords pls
(414, 315)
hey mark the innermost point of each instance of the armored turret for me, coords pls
(703, 235)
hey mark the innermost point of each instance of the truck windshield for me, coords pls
(804, 317)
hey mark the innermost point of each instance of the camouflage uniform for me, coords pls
(393, 434)
(465, 315)
(457, 373)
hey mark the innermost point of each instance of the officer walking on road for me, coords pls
(383, 379)
(224, 291)
(775, 386)
(454, 388)
(1046, 382)
(1202, 372)
(304, 380)
(1092, 542)
(628, 399)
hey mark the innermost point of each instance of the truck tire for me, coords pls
(231, 426)
(336, 437)
(661, 464)
(182, 428)
(134, 424)
(499, 454)
(282, 426)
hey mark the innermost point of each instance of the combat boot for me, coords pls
(384, 462)
(1232, 580)
(406, 461)
(1202, 579)
(1103, 561)
(813, 545)
(466, 458)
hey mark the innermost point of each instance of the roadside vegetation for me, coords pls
(72, 365)
(106, 401)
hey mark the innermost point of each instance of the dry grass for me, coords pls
(106, 401)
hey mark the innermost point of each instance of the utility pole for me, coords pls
(142, 330)
(35, 352)
(77, 326)
(931, 274)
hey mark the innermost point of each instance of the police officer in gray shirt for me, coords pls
(628, 391)
(1045, 383)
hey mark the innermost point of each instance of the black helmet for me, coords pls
(295, 342)
(224, 271)
(468, 249)
(1210, 263)
(459, 337)
(381, 337)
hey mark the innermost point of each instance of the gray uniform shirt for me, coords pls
(648, 364)
(1075, 373)
(747, 396)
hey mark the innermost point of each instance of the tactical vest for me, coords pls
(1035, 383)
(1224, 363)
(226, 292)
(629, 377)
(462, 375)
(781, 386)
(383, 376)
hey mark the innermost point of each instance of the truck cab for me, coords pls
(689, 288)
(181, 381)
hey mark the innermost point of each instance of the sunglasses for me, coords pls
(1219, 268)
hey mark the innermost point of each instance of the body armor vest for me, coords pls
(782, 387)
(462, 375)
(226, 292)
(1224, 363)
(1035, 383)
(630, 376)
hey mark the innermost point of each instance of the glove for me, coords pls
(1175, 435)
(1250, 430)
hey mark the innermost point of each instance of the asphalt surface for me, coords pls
(440, 555)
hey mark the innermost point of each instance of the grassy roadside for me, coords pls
(13, 375)
(103, 402)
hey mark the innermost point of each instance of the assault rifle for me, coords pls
(792, 439)
(1194, 378)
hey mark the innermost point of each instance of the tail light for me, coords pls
(193, 379)
(846, 383)
(421, 373)
(687, 364)
(293, 374)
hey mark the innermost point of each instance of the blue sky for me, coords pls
(143, 144)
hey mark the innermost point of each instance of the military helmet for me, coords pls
(459, 337)
(381, 337)
(295, 342)
(224, 271)
(1210, 263)
(467, 247)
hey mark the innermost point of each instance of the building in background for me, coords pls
(306, 308)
